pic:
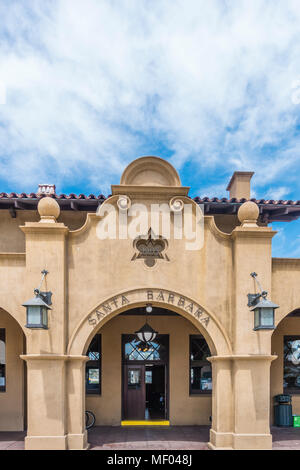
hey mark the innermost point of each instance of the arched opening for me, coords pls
(111, 313)
(12, 374)
(285, 370)
(170, 382)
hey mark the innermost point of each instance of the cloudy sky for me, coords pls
(86, 86)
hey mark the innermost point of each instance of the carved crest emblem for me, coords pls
(150, 248)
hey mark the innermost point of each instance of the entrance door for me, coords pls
(145, 378)
(134, 392)
(155, 391)
(145, 392)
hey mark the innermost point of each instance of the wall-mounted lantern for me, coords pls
(264, 309)
(37, 308)
(146, 334)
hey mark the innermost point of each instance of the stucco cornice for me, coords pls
(286, 261)
(253, 232)
(243, 357)
(53, 357)
(42, 228)
(19, 256)
(146, 191)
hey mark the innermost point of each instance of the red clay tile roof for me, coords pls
(270, 209)
(197, 199)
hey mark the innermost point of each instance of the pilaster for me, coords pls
(46, 359)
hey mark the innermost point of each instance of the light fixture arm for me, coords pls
(254, 298)
(45, 296)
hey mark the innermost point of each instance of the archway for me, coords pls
(285, 370)
(12, 374)
(175, 378)
(196, 318)
(203, 319)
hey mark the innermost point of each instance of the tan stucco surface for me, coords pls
(209, 289)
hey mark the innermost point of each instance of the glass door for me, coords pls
(134, 392)
(145, 378)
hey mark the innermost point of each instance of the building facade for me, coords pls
(109, 275)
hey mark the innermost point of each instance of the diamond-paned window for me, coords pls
(135, 350)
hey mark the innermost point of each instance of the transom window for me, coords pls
(135, 350)
(200, 367)
(93, 367)
(291, 372)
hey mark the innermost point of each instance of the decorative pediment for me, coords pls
(150, 171)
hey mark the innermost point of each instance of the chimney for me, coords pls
(239, 185)
(46, 189)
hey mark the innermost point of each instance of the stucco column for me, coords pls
(77, 434)
(46, 410)
(46, 359)
(221, 433)
(251, 386)
(251, 357)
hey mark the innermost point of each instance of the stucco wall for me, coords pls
(109, 269)
(12, 238)
(183, 409)
(285, 285)
(12, 400)
(288, 327)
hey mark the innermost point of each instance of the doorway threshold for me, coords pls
(145, 422)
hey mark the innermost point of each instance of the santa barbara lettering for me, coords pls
(148, 296)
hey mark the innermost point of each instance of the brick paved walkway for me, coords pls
(12, 440)
(151, 438)
(286, 438)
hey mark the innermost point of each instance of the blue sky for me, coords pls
(211, 86)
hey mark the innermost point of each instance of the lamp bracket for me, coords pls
(253, 299)
(45, 296)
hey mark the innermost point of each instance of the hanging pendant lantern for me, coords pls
(38, 307)
(146, 334)
(264, 309)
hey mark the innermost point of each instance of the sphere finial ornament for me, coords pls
(48, 209)
(248, 214)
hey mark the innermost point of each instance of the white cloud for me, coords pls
(91, 84)
(279, 192)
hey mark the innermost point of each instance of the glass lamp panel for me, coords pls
(256, 318)
(140, 336)
(148, 336)
(45, 316)
(267, 316)
(33, 315)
